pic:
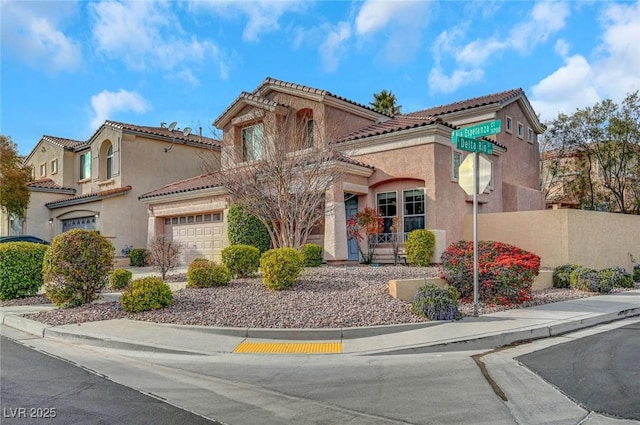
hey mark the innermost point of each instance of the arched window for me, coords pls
(110, 162)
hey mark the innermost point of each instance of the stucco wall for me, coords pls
(589, 238)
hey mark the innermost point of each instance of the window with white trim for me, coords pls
(520, 130)
(43, 170)
(413, 210)
(54, 166)
(109, 162)
(387, 206)
(530, 135)
(85, 165)
(252, 142)
(508, 126)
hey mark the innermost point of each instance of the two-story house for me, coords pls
(95, 184)
(404, 166)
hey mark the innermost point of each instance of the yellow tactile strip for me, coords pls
(289, 347)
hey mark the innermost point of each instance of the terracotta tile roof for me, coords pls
(62, 142)
(399, 123)
(159, 131)
(499, 98)
(89, 197)
(272, 81)
(47, 184)
(203, 181)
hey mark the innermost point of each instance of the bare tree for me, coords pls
(281, 170)
(164, 255)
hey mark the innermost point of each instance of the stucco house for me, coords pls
(404, 166)
(95, 183)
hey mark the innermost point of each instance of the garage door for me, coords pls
(199, 236)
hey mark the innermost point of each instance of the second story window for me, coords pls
(110, 162)
(85, 165)
(508, 126)
(252, 142)
(54, 166)
(520, 130)
(43, 170)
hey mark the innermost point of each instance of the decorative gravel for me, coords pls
(325, 297)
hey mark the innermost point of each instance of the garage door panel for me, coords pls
(200, 240)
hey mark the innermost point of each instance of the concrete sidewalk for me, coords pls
(477, 333)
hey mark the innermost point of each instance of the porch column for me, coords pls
(335, 226)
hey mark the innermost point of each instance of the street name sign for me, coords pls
(479, 130)
(475, 145)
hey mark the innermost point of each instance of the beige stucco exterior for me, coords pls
(588, 238)
(143, 158)
(419, 155)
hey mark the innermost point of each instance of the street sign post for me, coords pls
(475, 145)
(479, 130)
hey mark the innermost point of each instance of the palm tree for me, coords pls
(385, 102)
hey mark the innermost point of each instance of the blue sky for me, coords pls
(69, 65)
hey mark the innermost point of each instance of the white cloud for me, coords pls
(398, 25)
(562, 47)
(148, 35)
(613, 71)
(440, 82)
(106, 103)
(333, 46)
(262, 16)
(544, 20)
(33, 31)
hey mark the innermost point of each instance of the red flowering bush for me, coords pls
(505, 272)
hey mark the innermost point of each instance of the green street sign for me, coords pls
(478, 130)
(474, 145)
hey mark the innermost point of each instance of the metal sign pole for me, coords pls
(476, 177)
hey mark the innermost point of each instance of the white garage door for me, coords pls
(199, 235)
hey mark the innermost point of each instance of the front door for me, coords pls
(351, 209)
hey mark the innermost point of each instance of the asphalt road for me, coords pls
(40, 389)
(601, 372)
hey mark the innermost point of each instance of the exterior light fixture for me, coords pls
(50, 221)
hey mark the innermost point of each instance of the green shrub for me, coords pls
(241, 260)
(561, 275)
(312, 255)
(617, 277)
(636, 273)
(280, 268)
(244, 228)
(138, 257)
(203, 273)
(20, 269)
(505, 273)
(120, 279)
(77, 266)
(436, 303)
(419, 247)
(588, 280)
(149, 293)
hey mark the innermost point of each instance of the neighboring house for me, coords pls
(95, 184)
(404, 166)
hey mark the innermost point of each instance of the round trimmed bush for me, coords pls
(588, 280)
(120, 279)
(138, 257)
(203, 273)
(244, 228)
(617, 277)
(241, 260)
(312, 255)
(21, 269)
(505, 272)
(561, 275)
(280, 267)
(77, 266)
(149, 293)
(436, 303)
(419, 247)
